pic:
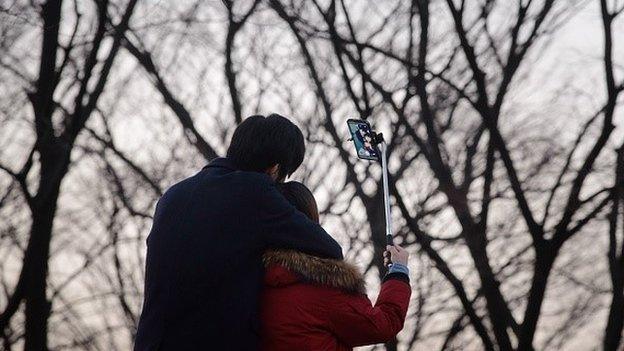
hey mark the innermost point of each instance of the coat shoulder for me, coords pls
(318, 271)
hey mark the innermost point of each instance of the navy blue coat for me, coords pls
(204, 258)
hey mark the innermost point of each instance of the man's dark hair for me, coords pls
(261, 142)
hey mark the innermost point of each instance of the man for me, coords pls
(196, 296)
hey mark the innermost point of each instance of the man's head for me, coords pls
(271, 145)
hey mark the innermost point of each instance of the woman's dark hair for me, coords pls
(300, 197)
(261, 142)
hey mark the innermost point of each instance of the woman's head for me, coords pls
(301, 197)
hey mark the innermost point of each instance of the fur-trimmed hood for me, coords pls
(286, 267)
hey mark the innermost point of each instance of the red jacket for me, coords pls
(319, 304)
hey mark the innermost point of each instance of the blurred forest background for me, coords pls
(505, 125)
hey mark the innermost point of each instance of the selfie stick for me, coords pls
(384, 175)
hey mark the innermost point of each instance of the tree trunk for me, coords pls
(37, 304)
(496, 306)
(615, 323)
(613, 335)
(543, 266)
(54, 166)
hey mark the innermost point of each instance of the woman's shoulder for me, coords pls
(316, 271)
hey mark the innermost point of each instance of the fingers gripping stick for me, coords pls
(395, 254)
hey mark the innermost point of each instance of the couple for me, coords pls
(236, 260)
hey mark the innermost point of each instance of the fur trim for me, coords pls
(318, 271)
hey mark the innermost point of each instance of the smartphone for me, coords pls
(364, 139)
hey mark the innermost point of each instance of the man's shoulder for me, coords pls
(181, 186)
(211, 181)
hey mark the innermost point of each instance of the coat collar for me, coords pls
(289, 267)
(223, 162)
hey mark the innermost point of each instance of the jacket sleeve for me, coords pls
(356, 322)
(283, 227)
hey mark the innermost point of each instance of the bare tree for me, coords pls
(54, 145)
(506, 213)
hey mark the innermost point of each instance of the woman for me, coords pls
(311, 303)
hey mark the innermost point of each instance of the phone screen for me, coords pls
(363, 138)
